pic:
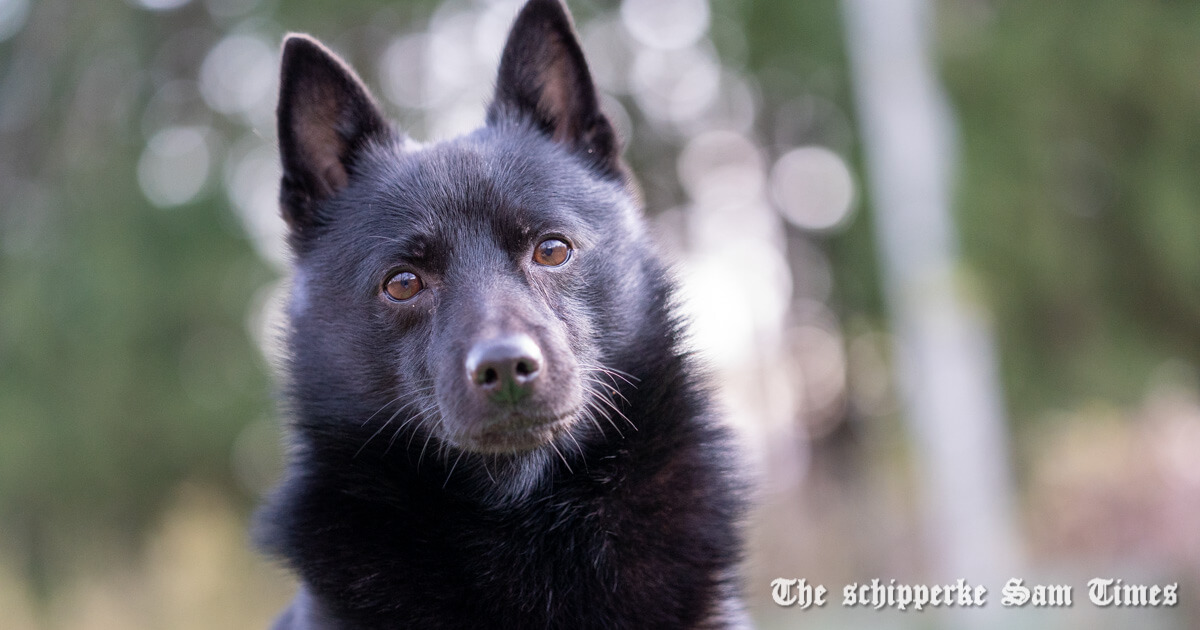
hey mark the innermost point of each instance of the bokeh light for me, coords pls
(251, 178)
(174, 166)
(666, 24)
(160, 5)
(240, 76)
(813, 188)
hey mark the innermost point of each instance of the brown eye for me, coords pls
(403, 286)
(551, 252)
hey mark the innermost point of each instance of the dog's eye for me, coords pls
(551, 252)
(403, 286)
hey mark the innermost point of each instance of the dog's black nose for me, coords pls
(505, 366)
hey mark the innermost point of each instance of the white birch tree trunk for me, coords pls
(945, 360)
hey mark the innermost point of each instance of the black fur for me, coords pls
(601, 493)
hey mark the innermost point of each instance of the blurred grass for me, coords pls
(192, 571)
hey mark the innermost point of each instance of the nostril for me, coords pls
(525, 370)
(489, 376)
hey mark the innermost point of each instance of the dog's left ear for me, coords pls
(544, 77)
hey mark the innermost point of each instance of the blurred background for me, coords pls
(956, 244)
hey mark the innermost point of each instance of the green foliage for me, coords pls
(126, 364)
(1080, 124)
(796, 51)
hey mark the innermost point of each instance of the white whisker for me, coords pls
(560, 456)
(460, 455)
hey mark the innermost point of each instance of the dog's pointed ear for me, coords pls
(325, 117)
(544, 77)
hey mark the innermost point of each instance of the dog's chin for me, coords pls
(515, 435)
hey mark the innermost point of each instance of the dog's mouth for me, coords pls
(515, 434)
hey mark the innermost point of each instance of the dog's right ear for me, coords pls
(325, 117)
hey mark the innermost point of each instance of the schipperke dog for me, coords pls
(494, 422)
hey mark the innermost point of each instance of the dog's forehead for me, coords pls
(476, 180)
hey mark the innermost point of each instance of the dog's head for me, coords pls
(459, 292)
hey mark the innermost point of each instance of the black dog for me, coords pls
(494, 423)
